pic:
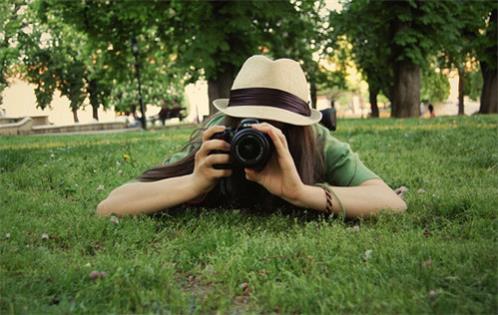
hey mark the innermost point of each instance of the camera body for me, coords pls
(329, 118)
(249, 148)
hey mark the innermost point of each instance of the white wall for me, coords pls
(19, 100)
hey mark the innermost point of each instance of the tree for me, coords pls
(402, 36)
(54, 57)
(214, 38)
(463, 53)
(110, 26)
(10, 23)
(299, 33)
(489, 69)
(209, 39)
(370, 50)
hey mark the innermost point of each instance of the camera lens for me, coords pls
(249, 148)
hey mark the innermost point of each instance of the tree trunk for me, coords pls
(489, 92)
(133, 111)
(219, 87)
(95, 113)
(313, 94)
(75, 115)
(461, 87)
(373, 92)
(406, 91)
(489, 69)
(94, 98)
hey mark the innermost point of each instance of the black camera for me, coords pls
(249, 148)
(329, 118)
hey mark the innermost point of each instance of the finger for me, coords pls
(221, 173)
(219, 158)
(268, 129)
(208, 133)
(264, 127)
(251, 174)
(215, 144)
(278, 133)
(277, 137)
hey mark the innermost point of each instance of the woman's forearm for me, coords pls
(359, 201)
(148, 197)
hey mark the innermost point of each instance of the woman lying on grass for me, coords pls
(308, 167)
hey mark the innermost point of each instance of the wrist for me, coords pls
(196, 185)
(298, 196)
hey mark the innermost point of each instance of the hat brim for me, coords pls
(267, 112)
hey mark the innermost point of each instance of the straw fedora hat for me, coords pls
(270, 89)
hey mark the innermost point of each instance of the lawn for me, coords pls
(438, 257)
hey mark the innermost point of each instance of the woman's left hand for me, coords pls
(280, 176)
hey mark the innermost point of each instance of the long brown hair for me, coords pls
(305, 148)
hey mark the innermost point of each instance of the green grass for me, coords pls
(439, 257)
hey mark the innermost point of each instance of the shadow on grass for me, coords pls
(256, 217)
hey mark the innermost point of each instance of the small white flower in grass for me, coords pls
(432, 294)
(100, 187)
(421, 191)
(209, 269)
(44, 236)
(7, 235)
(356, 228)
(367, 255)
(52, 155)
(114, 219)
(427, 263)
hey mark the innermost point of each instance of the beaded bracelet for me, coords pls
(328, 198)
(328, 195)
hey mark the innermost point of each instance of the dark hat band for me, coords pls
(269, 97)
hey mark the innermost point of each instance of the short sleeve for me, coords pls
(343, 167)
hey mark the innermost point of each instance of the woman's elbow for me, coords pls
(398, 205)
(104, 208)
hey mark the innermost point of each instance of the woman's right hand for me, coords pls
(205, 176)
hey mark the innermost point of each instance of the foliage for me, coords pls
(52, 59)
(473, 85)
(439, 257)
(299, 33)
(486, 43)
(370, 48)
(435, 86)
(472, 18)
(10, 23)
(387, 36)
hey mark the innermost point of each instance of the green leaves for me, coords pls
(435, 86)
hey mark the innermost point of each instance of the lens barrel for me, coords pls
(251, 148)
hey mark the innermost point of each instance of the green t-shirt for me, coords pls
(343, 167)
